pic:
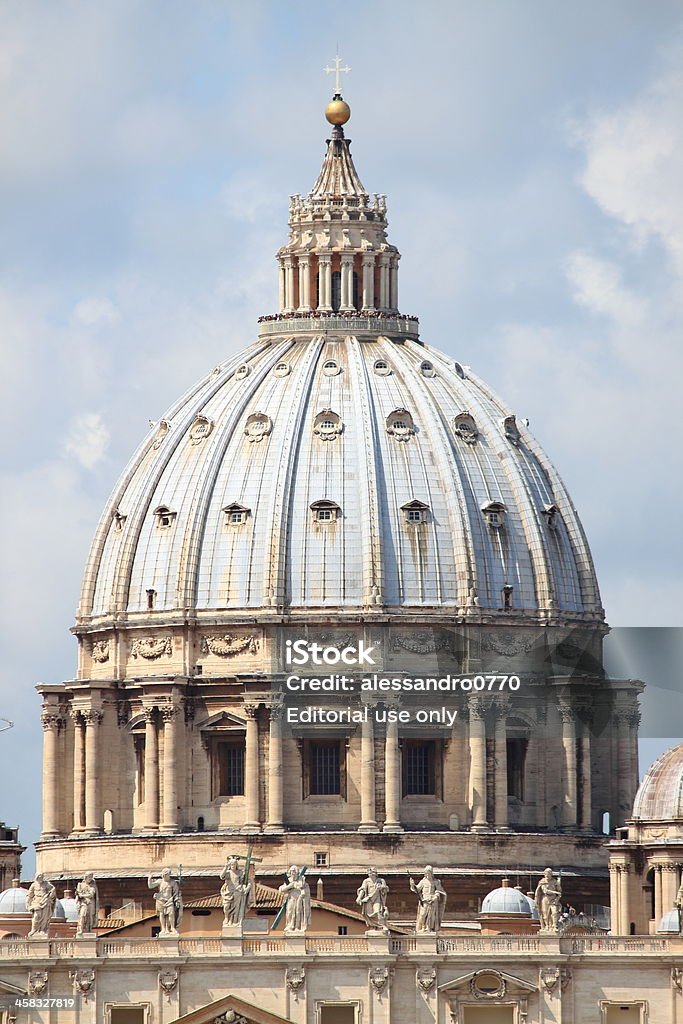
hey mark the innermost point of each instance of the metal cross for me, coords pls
(337, 72)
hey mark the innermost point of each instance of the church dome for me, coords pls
(13, 900)
(506, 900)
(346, 469)
(670, 924)
(660, 796)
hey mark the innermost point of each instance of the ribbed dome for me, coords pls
(389, 434)
(506, 901)
(660, 796)
(670, 924)
(13, 900)
(69, 907)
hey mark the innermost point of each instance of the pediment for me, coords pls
(12, 990)
(222, 720)
(231, 1010)
(513, 985)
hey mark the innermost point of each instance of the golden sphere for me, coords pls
(337, 111)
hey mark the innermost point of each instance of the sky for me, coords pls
(532, 155)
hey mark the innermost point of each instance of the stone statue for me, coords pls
(431, 901)
(372, 900)
(548, 898)
(298, 901)
(235, 892)
(169, 902)
(86, 898)
(40, 902)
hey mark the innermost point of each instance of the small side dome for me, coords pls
(69, 905)
(535, 916)
(506, 901)
(670, 924)
(60, 912)
(660, 795)
(13, 900)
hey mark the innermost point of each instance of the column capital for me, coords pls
(51, 719)
(92, 716)
(250, 710)
(324, 258)
(169, 712)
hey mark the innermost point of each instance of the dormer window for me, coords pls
(119, 519)
(258, 426)
(507, 598)
(400, 424)
(415, 512)
(327, 425)
(551, 513)
(325, 511)
(282, 369)
(200, 429)
(511, 430)
(381, 367)
(236, 514)
(465, 428)
(426, 369)
(331, 368)
(151, 599)
(164, 517)
(494, 514)
(242, 371)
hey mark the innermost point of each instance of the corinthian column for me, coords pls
(383, 280)
(393, 282)
(169, 714)
(392, 780)
(325, 282)
(282, 286)
(624, 766)
(368, 817)
(289, 284)
(624, 903)
(346, 281)
(501, 775)
(569, 806)
(79, 772)
(275, 822)
(252, 822)
(586, 779)
(93, 813)
(51, 721)
(304, 284)
(368, 263)
(477, 783)
(151, 769)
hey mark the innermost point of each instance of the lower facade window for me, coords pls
(324, 767)
(229, 775)
(419, 768)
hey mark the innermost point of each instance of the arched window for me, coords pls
(336, 289)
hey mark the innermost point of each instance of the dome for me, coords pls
(438, 497)
(660, 795)
(13, 900)
(506, 901)
(670, 924)
(59, 912)
(69, 906)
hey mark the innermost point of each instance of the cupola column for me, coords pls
(586, 779)
(383, 280)
(151, 769)
(393, 282)
(669, 886)
(368, 820)
(368, 264)
(79, 771)
(169, 715)
(325, 282)
(93, 815)
(252, 821)
(275, 821)
(304, 284)
(569, 801)
(347, 281)
(282, 286)
(392, 780)
(52, 723)
(289, 284)
(624, 766)
(477, 783)
(659, 904)
(624, 903)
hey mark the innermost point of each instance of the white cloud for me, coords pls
(634, 162)
(597, 285)
(92, 312)
(87, 439)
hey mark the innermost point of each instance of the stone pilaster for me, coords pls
(93, 812)
(52, 722)
(477, 780)
(252, 821)
(275, 822)
(170, 716)
(151, 769)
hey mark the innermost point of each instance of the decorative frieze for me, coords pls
(100, 651)
(230, 644)
(151, 648)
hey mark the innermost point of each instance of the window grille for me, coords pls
(418, 768)
(324, 767)
(231, 769)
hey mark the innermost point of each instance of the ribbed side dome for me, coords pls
(660, 796)
(506, 901)
(13, 901)
(389, 434)
(670, 924)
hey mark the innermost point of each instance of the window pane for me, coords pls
(325, 775)
(231, 769)
(418, 769)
